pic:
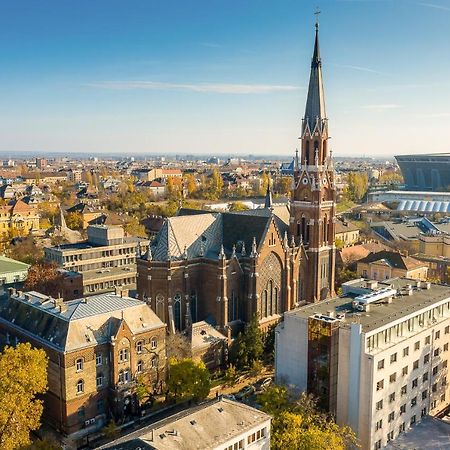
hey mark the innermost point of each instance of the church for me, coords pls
(225, 267)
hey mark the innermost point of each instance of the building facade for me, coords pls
(97, 348)
(18, 219)
(377, 357)
(107, 260)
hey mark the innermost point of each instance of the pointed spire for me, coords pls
(296, 160)
(285, 240)
(268, 201)
(148, 254)
(243, 252)
(233, 254)
(254, 252)
(221, 252)
(315, 103)
(202, 249)
(185, 255)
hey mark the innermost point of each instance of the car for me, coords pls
(245, 392)
(264, 384)
(229, 396)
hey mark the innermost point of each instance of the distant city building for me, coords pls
(426, 172)
(107, 260)
(18, 219)
(347, 232)
(377, 357)
(156, 174)
(97, 348)
(41, 163)
(216, 425)
(74, 176)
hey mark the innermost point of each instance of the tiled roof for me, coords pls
(393, 259)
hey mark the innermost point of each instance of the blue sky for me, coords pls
(221, 76)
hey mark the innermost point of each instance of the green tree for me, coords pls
(230, 375)
(298, 424)
(238, 206)
(248, 346)
(188, 379)
(74, 220)
(23, 376)
(357, 184)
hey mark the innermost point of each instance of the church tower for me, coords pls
(313, 200)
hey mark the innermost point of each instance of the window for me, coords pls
(426, 358)
(446, 347)
(381, 364)
(424, 394)
(403, 390)
(393, 358)
(379, 405)
(427, 340)
(444, 381)
(405, 351)
(139, 347)
(154, 343)
(447, 329)
(402, 428)
(444, 364)
(403, 409)
(79, 364)
(177, 311)
(392, 397)
(154, 362)
(80, 386)
(416, 364)
(380, 385)
(99, 380)
(413, 402)
(435, 370)
(405, 371)
(124, 376)
(423, 412)
(437, 335)
(378, 445)
(413, 420)
(434, 387)
(433, 404)
(390, 436)
(436, 352)
(123, 354)
(98, 360)
(392, 377)
(379, 425)
(443, 398)
(140, 366)
(391, 416)
(425, 377)
(414, 383)
(417, 345)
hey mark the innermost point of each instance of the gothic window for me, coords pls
(140, 367)
(177, 310)
(80, 386)
(233, 307)
(160, 307)
(307, 152)
(270, 279)
(194, 306)
(325, 230)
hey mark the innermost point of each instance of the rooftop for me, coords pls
(205, 426)
(380, 313)
(11, 265)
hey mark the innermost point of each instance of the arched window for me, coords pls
(177, 310)
(79, 364)
(194, 306)
(154, 343)
(233, 307)
(139, 346)
(80, 386)
(277, 309)
(325, 230)
(307, 152)
(270, 289)
(160, 310)
(265, 306)
(140, 367)
(154, 362)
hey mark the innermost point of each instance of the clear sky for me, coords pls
(221, 76)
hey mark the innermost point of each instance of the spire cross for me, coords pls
(317, 14)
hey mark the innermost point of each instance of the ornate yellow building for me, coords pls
(18, 219)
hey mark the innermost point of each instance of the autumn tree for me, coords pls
(133, 228)
(238, 206)
(74, 220)
(188, 379)
(283, 185)
(191, 183)
(43, 444)
(23, 376)
(248, 346)
(357, 184)
(26, 250)
(44, 278)
(178, 346)
(298, 423)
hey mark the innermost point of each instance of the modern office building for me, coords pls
(377, 357)
(107, 259)
(97, 348)
(216, 425)
(426, 172)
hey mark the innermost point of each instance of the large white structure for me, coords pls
(376, 357)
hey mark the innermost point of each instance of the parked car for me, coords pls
(245, 392)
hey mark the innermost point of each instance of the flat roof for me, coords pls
(205, 426)
(11, 265)
(380, 313)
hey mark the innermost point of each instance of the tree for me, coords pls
(177, 346)
(284, 185)
(133, 228)
(188, 379)
(191, 183)
(26, 250)
(74, 220)
(269, 342)
(230, 375)
(43, 444)
(238, 206)
(44, 278)
(248, 346)
(23, 376)
(111, 430)
(256, 368)
(298, 424)
(357, 184)
(144, 391)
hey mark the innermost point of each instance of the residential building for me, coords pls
(220, 424)
(147, 174)
(18, 219)
(74, 176)
(347, 232)
(377, 357)
(389, 264)
(107, 260)
(96, 346)
(88, 212)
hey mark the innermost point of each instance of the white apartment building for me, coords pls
(377, 357)
(220, 424)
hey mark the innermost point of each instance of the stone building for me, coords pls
(18, 218)
(225, 267)
(97, 347)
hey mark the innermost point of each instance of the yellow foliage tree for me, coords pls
(23, 376)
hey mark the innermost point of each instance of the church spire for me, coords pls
(315, 103)
(268, 203)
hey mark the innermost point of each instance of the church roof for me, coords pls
(315, 103)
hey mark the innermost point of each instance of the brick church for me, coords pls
(224, 267)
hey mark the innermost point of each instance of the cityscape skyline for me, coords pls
(148, 78)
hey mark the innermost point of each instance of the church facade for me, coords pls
(226, 267)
